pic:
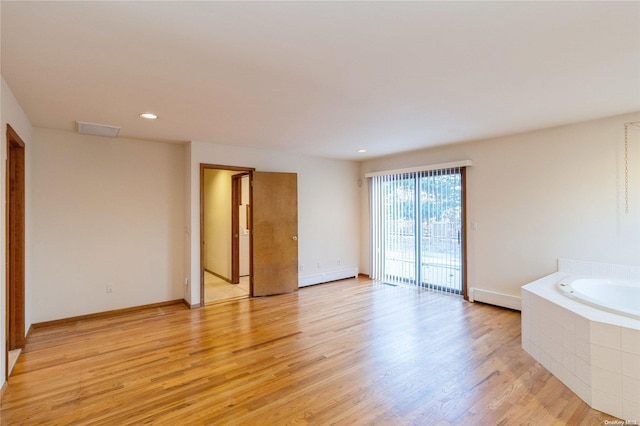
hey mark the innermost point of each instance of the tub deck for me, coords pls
(594, 353)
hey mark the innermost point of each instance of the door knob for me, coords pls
(294, 238)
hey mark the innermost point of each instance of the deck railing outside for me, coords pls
(440, 262)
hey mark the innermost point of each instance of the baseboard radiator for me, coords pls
(494, 298)
(326, 277)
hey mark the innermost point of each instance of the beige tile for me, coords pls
(13, 358)
(216, 289)
(606, 358)
(605, 335)
(631, 365)
(630, 340)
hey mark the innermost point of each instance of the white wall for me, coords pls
(328, 211)
(11, 113)
(539, 196)
(104, 211)
(186, 236)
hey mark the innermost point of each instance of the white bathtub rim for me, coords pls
(565, 287)
(546, 289)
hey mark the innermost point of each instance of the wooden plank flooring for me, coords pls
(347, 353)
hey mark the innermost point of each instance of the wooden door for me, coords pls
(274, 233)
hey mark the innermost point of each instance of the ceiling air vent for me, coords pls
(97, 129)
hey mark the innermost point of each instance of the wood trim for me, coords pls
(203, 167)
(236, 202)
(225, 167)
(3, 388)
(15, 138)
(14, 244)
(106, 314)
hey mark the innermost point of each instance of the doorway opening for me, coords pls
(225, 258)
(15, 247)
(270, 219)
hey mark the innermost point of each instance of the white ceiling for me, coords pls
(322, 78)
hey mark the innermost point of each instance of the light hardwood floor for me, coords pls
(348, 353)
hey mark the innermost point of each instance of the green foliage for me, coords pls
(439, 198)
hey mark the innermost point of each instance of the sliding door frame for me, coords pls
(416, 174)
(463, 201)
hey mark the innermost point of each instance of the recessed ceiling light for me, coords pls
(148, 116)
(362, 150)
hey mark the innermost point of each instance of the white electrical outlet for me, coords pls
(109, 288)
(186, 280)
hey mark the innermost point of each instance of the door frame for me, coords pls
(14, 245)
(236, 201)
(203, 167)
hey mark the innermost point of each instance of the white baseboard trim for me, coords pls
(493, 298)
(325, 277)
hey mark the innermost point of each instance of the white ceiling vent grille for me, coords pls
(97, 129)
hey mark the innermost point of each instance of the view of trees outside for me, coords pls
(424, 224)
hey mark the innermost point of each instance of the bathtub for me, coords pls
(617, 296)
(577, 324)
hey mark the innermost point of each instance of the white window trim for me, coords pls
(439, 166)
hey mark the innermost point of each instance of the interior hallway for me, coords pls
(217, 289)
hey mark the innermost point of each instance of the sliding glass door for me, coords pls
(417, 231)
(399, 237)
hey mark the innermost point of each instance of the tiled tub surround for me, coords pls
(594, 353)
